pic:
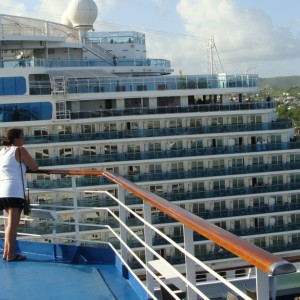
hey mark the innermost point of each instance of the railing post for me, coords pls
(148, 241)
(76, 218)
(122, 216)
(189, 264)
(262, 285)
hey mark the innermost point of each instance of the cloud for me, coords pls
(241, 35)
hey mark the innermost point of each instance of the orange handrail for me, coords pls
(256, 256)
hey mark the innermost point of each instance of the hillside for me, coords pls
(279, 82)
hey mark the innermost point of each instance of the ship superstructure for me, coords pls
(205, 142)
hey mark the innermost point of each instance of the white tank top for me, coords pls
(10, 174)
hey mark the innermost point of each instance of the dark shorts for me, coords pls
(11, 203)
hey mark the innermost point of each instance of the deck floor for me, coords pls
(41, 277)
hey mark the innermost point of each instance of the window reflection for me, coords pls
(25, 112)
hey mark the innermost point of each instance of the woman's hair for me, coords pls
(12, 134)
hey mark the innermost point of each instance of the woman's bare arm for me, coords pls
(27, 159)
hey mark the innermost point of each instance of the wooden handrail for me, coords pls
(256, 256)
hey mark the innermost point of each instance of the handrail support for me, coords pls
(76, 217)
(189, 264)
(262, 285)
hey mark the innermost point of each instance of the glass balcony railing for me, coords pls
(80, 159)
(239, 232)
(66, 182)
(271, 188)
(125, 134)
(138, 84)
(173, 110)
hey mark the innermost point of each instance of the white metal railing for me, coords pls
(153, 261)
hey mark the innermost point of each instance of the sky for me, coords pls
(254, 36)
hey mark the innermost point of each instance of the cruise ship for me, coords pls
(93, 103)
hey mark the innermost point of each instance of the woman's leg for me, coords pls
(13, 220)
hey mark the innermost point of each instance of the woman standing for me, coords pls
(12, 190)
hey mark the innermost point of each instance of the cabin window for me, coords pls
(66, 152)
(155, 168)
(175, 123)
(218, 185)
(217, 121)
(154, 147)
(12, 86)
(153, 125)
(295, 158)
(156, 189)
(133, 148)
(255, 119)
(238, 204)
(40, 131)
(176, 145)
(195, 122)
(237, 162)
(61, 129)
(109, 127)
(237, 183)
(178, 188)
(256, 161)
(295, 178)
(25, 112)
(275, 139)
(88, 128)
(177, 167)
(198, 208)
(197, 165)
(236, 120)
(198, 186)
(196, 144)
(260, 242)
(110, 149)
(41, 154)
(89, 151)
(134, 170)
(218, 164)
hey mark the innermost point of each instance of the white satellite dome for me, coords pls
(65, 19)
(82, 13)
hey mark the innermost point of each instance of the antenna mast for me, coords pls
(211, 65)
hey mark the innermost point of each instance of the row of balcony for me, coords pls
(225, 254)
(66, 182)
(140, 133)
(209, 107)
(143, 155)
(159, 241)
(176, 196)
(152, 83)
(160, 218)
(239, 232)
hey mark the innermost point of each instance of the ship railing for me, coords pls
(204, 150)
(17, 25)
(70, 158)
(99, 51)
(267, 265)
(164, 83)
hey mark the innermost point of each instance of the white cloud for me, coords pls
(241, 35)
(244, 37)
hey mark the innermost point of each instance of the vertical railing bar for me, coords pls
(262, 285)
(148, 241)
(122, 216)
(75, 204)
(189, 264)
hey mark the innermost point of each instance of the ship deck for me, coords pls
(68, 276)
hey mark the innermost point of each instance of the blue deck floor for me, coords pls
(42, 277)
